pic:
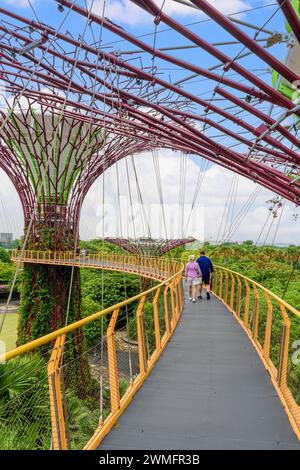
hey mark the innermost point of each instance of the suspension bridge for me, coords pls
(82, 95)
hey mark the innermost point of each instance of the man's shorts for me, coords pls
(206, 279)
(194, 282)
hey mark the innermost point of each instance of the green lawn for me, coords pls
(9, 332)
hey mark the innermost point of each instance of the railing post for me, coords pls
(177, 305)
(221, 285)
(180, 291)
(166, 308)
(226, 288)
(284, 348)
(232, 292)
(268, 330)
(112, 362)
(215, 281)
(247, 303)
(173, 319)
(156, 320)
(141, 336)
(239, 296)
(59, 439)
(255, 313)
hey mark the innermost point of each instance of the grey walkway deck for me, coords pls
(209, 390)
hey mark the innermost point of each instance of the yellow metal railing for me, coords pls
(272, 325)
(155, 268)
(74, 403)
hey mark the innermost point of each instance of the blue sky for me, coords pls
(213, 195)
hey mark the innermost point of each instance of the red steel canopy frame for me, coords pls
(139, 108)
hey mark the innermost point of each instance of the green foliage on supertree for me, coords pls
(44, 299)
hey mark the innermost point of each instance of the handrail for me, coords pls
(269, 322)
(134, 264)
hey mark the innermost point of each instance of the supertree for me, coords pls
(52, 157)
(50, 150)
(149, 246)
(74, 107)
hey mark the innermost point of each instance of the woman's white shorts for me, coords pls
(194, 282)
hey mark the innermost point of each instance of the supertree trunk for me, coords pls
(44, 300)
(44, 308)
(51, 295)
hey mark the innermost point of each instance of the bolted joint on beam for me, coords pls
(32, 45)
(157, 20)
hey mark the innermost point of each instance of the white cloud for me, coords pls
(212, 198)
(11, 214)
(122, 11)
(20, 3)
(230, 6)
(126, 12)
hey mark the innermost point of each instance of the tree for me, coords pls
(248, 242)
(4, 256)
(6, 272)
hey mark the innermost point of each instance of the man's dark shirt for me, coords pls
(205, 266)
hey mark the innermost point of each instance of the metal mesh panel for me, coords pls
(80, 379)
(148, 318)
(24, 404)
(161, 314)
(276, 334)
(262, 319)
(127, 364)
(293, 372)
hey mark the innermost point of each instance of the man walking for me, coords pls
(206, 268)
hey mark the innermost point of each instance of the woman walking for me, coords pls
(192, 277)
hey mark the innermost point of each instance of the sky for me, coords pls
(218, 183)
(209, 209)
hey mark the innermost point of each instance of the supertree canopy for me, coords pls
(52, 157)
(84, 92)
(149, 246)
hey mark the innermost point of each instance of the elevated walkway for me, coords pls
(210, 375)
(209, 390)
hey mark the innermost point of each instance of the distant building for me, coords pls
(6, 238)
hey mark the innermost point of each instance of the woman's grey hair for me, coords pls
(191, 258)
